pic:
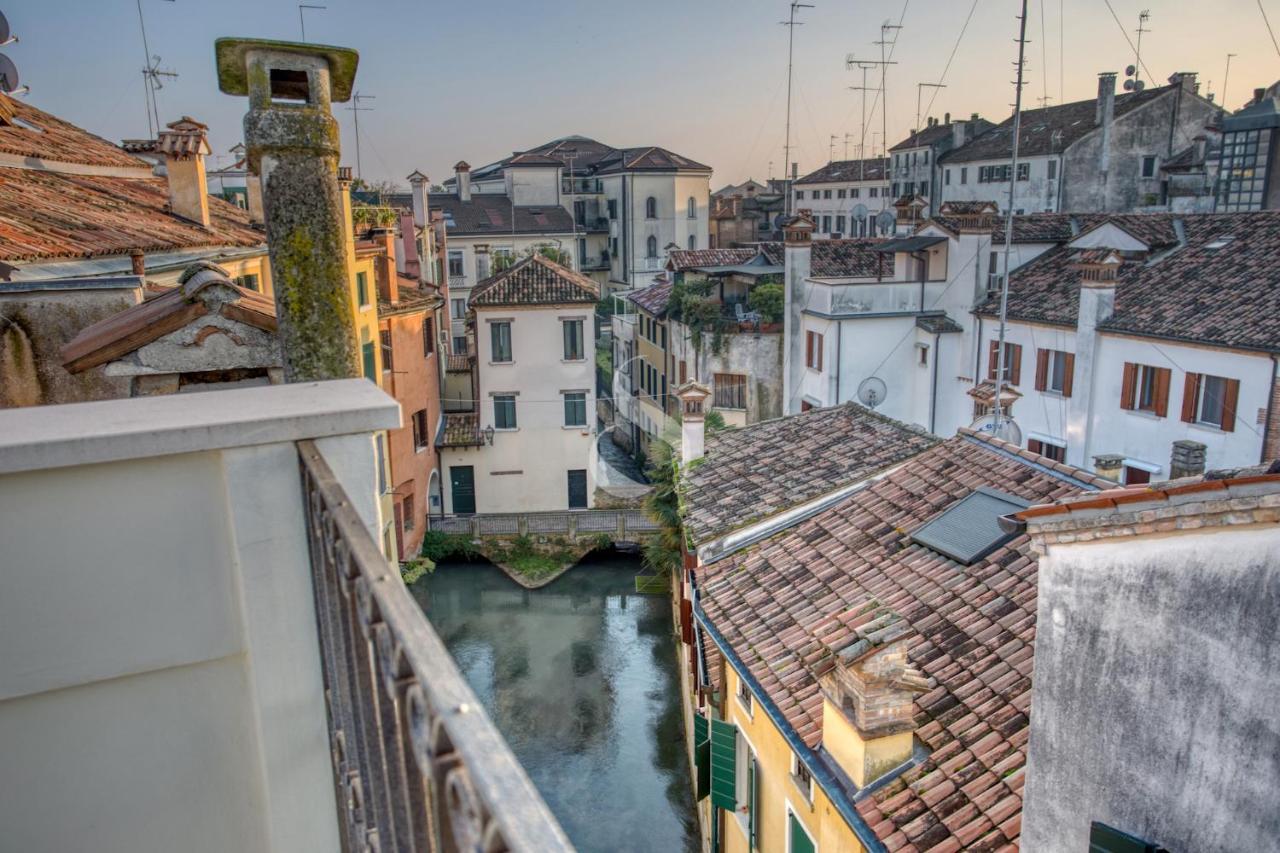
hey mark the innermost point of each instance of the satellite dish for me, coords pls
(1008, 430)
(1139, 85)
(8, 75)
(872, 391)
(1130, 70)
(1128, 85)
(779, 221)
(885, 220)
(859, 211)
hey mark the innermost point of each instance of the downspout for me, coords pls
(1271, 404)
(977, 354)
(839, 352)
(933, 385)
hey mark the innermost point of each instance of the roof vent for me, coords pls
(969, 529)
(1220, 243)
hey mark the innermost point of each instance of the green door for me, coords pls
(370, 362)
(463, 480)
(800, 840)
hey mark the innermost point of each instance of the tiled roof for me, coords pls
(58, 140)
(490, 214)
(924, 136)
(751, 473)
(535, 281)
(459, 430)
(410, 300)
(938, 324)
(1031, 227)
(855, 258)
(655, 298)
(590, 158)
(52, 215)
(531, 158)
(648, 159)
(1213, 290)
(122, 333)
(1048, 130)
(458, 363)
(973, 632)
(844, 171)
(679, 260)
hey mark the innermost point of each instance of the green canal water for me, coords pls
(580, 677)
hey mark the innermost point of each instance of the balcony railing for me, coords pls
(417, 765)
(594, 262)
(581, 186)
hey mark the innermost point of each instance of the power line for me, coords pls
(950, 58)
(1267, 21)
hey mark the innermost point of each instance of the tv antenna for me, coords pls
(1143, 17)
(1225, 74)
(920, 87)
(872, 391)
(355, 110)
(831, 148)
(884, 85)
(151, 75)
(791, 23)
(847, 137)
(864, 65)
(302, 21)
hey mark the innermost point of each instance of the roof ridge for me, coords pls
(1072, 474)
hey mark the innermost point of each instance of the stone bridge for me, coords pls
(621, 526)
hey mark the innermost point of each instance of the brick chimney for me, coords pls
(184, 144)
(292, 142)
(1109, 465)
(462, 173)
(1187, 459)
(1098, 270)
(693, 398)
(868, 692)
(797, 263)
(385, 265)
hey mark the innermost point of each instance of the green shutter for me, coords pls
(753, 795)
(800, 840)
(724, 755)
(702, 756)
(370, 362)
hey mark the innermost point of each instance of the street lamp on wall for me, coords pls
(488, 434)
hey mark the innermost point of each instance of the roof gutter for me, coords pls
(1043, 469)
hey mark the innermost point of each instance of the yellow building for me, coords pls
(653, 373)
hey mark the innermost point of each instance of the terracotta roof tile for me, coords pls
(655, 298)
(840, 171)
(459, 430)
(47, 137)
(535, 281)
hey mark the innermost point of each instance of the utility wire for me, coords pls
(954, 48)
(1267, 21)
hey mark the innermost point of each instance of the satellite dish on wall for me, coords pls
(6, 36)
(885, 221)
(1008, 430)
(859, 211)
(9, 82)
(872, 391)
(1139, 85)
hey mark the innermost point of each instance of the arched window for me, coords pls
(651, 208)
(653, 245)
(693, 208)
(693, 241)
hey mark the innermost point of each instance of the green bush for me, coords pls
(437, 546)
(767, 300)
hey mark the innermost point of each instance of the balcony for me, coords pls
(206, 650)
(650, 264)
(581, 186)
(594, 262)
(871, 298)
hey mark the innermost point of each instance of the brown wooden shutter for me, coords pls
(1189, 388)
(1042, 369)
(993, 360)
(1127, 387)
(686, 622)
(1069, 379)
(1229, 399)
(1163, 375)
(819, 348)
(684, 372)
(808, 349)
(1015, 367)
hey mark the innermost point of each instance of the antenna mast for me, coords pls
(1225, 75)
(884, 91)
(791, 25)
(302, 22)
(920, 87)
(1008, 219)
(1143, 17)
(864, 65)
(150, 77)
(356, 109)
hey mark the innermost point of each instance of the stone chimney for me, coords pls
(1104, 115)
(253, 198)
(1185, 80)
(868, 692)
(1187, 459)
(385, 265)
(138, 262)
(1109, 465)
(292, 142)
(693, 397)
(184, 145)
(958, 134)
(462, 173)
(797, 263)
(1098, 270)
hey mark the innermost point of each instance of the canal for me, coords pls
(580, 677)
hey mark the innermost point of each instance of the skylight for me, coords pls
(1220, 243)
(969, 529)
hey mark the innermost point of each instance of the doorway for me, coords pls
(578, 489)
(462, 481)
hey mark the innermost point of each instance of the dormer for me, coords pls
(798, 230)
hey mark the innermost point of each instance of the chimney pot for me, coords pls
(184, 144)
(462, 175)
(1187, 459)
(1258, 95)
(946, 118)
(138, 262)
(1109, 465)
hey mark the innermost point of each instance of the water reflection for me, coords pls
(581, 679)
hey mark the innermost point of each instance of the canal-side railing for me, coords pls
(417, 764)
(622, 525)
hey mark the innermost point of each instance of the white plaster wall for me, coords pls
(835, 206)
(1037, 194)
(540, 185)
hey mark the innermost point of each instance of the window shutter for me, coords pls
(1042, 369)
(1015, 367)
(1127, 388)
(1230, 396)
(1162, 390)
(1069, 379)
(808, 349)
(686, 622)
(753, 789)
(818, 346)
(702, 755)
(1189, 388)
(993, 360)
(723, 764)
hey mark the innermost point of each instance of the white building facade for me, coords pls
(845, 198)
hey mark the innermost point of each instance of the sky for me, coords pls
(705, 78)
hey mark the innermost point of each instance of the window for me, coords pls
(249, 281)
(813, 350)
(745, 698)
(362, 289)
(826, 193)
(1048, 449)
(1053, 169)
(840, 193)
(840, 224)
(1136, 476)
(651, 247)
(1024, 171)
(407, 513)
(458, 307)
(369, 361)
(460, 344)
(504, 411)
(826, 225)
(746, 789)
(575, 409)
(482, 266)
(455, 263)
(946, 177)
(1012, 362)
(500, 340)
(926, 156)
(1145, 389)
(855, 192)
(573, 350)
(1243, 171)
(895, 190)
(691, 208)
(872, 192)
(802, 777)
(798, 838)
(964, 174)
(428, 336)
(693, 241)
(613, 208)
(799, 195)
(384, 338)
(730, 391)
(421, 432)
(1210, 400)
(922, 354)
(924, 188)
(650, 208)
(1054, 369)
(1149, 166)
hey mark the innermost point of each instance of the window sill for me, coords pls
(421, 448)
(573, 361)
(1217, 430)
(506, 429)
(806, 791)
(500, 363)
(577, 427)
(1144, 414)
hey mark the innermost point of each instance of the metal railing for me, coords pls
(417, 763)
(619, 523)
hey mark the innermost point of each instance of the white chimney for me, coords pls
(462, 172)
(1098, 275)
(185, 144)
(797, 263)
(1104, 113)
(420, 185)
(693, 437)
(253, 198)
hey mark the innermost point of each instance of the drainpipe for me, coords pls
(1271, 404)
(977, 355)
(292, 142)
(933, 385)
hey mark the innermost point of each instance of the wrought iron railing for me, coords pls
(417, 764)
(619, 523)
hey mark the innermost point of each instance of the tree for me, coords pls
(662, 553)
(767, 301)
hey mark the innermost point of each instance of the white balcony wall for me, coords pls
(160, 684)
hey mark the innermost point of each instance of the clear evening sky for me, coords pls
(707, 78)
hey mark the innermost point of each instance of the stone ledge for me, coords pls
(40, 437)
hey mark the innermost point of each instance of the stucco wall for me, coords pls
(1155, 693)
